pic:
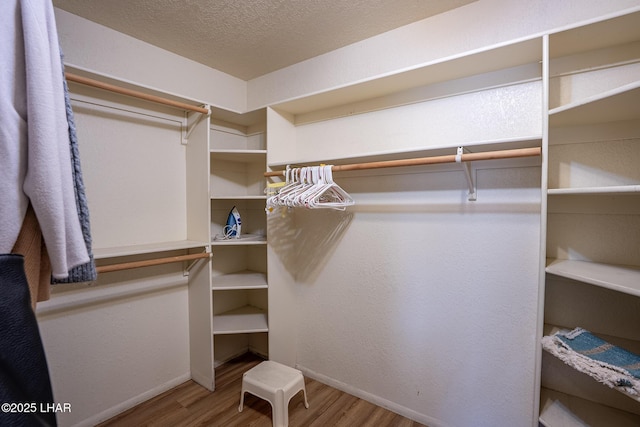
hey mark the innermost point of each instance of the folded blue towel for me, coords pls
(607, 363)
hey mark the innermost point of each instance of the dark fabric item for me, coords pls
(24, 375)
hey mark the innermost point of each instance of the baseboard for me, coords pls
(376, 400)
(258, 353)
(128, 404)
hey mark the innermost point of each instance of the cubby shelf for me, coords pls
(243, 156)
(606, 190)
(617, 104)
(248, 241)
(617, 277)
(246, 279)
(243, 320)
(560, 409)
(239, 197)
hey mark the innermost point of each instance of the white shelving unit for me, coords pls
(593, 218)
(239, 267)
(218, 167)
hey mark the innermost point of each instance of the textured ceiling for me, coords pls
(249, 38)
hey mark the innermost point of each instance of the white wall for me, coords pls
(107, 356)
(417, 299)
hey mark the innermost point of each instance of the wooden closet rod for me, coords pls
(129, 92)
(150, 262)
(465, 157)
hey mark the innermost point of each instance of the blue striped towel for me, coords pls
(607, 363)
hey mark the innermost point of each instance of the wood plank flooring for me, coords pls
(190, 404)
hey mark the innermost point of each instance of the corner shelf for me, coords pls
(250, 241)
(560, 409)
(617, 277)
(239, 197)
(618, 104)
(595, 191)
(243, 320)
(246, 279)
(240, 155)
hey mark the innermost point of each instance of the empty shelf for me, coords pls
(241, 280)
(616, 277)
(564, 410)
(613, 105)
(609, 190)
(243, 320)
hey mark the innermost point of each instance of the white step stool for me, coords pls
(275, 383)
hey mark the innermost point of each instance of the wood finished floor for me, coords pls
(190, 404)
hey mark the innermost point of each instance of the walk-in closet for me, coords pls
(421, 219)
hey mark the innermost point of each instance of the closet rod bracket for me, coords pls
(469, 174)
(186, 130)
(187, 269)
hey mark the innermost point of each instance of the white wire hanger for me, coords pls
(311, 188)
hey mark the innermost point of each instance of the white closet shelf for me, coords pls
(563, 410)
(446, 69)
(252, 239)
(592, 382)
(239, 197)
(242, 156)
(243, 320)
(246, 279)
(242, 151)
(148, 248)
(618, 104)
(620, 278)
(611, 32)
(607, 190)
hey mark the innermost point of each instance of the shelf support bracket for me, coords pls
(469, 174)
(188, 268)
(186, 130)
